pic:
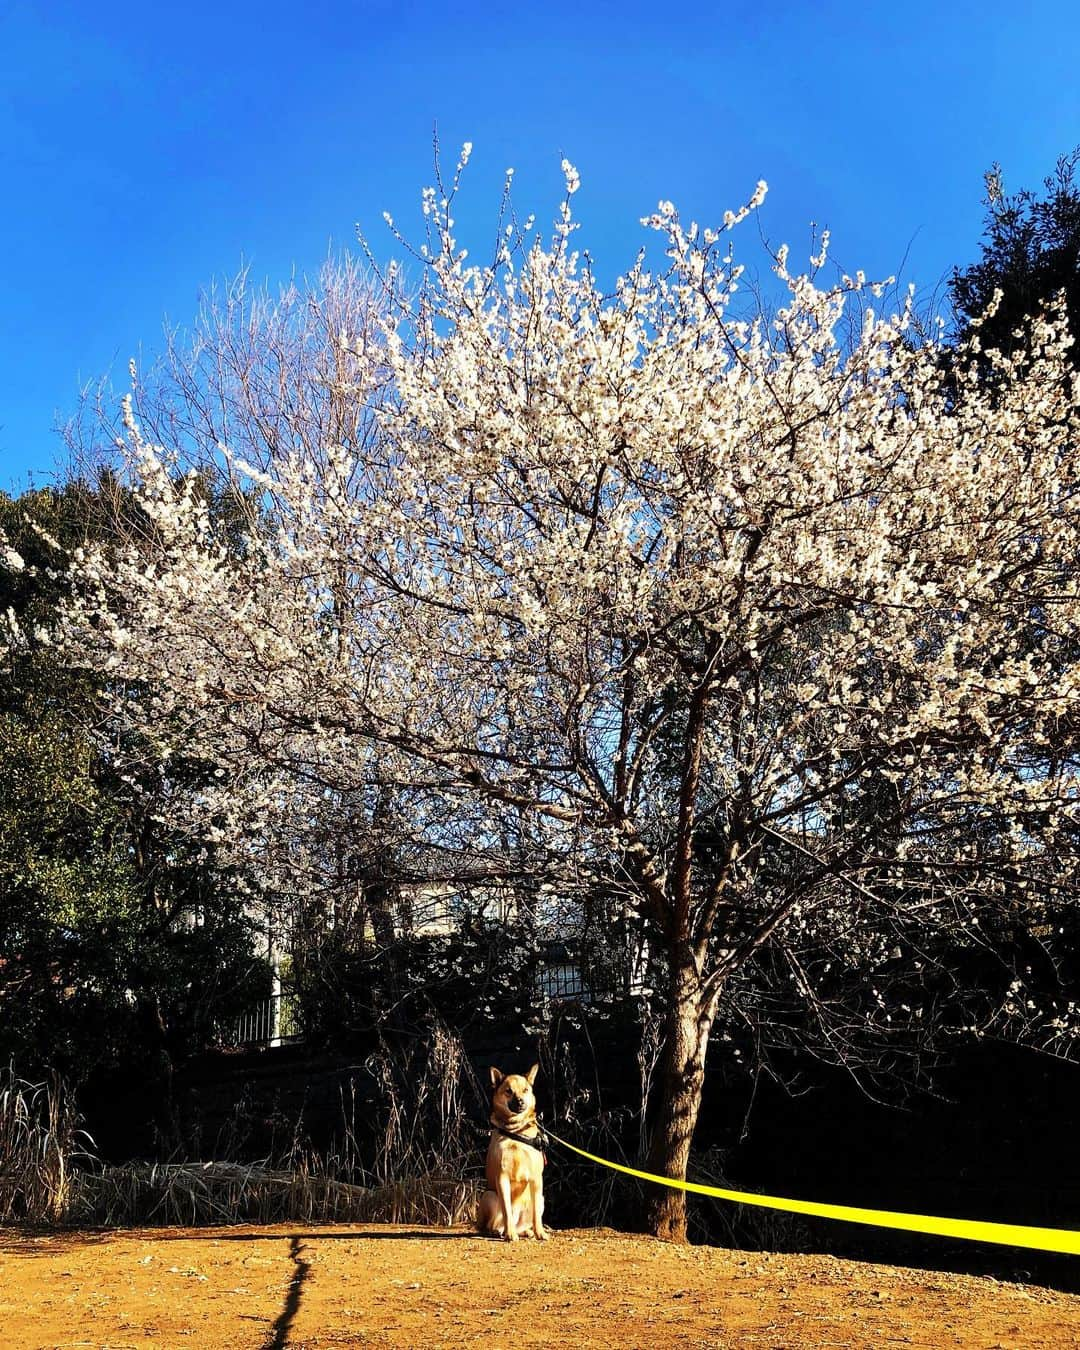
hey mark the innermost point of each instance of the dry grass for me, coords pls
(50, 1177)
(41, 1147)
(199, 1194)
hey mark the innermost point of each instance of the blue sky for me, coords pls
(146, 149)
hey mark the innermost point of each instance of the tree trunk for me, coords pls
(682, 1075)
(157, 1075)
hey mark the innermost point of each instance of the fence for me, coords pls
(563, 981)
(271, 1021)
(275, 1019)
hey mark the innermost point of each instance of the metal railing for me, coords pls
(275, 1020)
(563, 980)
(272, 1021)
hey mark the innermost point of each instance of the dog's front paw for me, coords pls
(541, 1234)
(511, 1235)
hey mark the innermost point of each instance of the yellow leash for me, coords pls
(1008, 1234)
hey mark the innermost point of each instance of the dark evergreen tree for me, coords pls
(121, 942)
(1030, 254)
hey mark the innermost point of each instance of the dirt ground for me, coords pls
(310, 1286)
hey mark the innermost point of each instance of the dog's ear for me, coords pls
(531, 1075)
(496, 1076)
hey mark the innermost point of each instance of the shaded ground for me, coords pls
(311, 1286)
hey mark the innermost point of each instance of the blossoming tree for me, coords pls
(748, 607)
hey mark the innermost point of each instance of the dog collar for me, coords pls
(520, 1138)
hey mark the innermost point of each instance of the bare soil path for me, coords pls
(253, 1288)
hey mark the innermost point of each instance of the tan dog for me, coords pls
(514, 1204)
